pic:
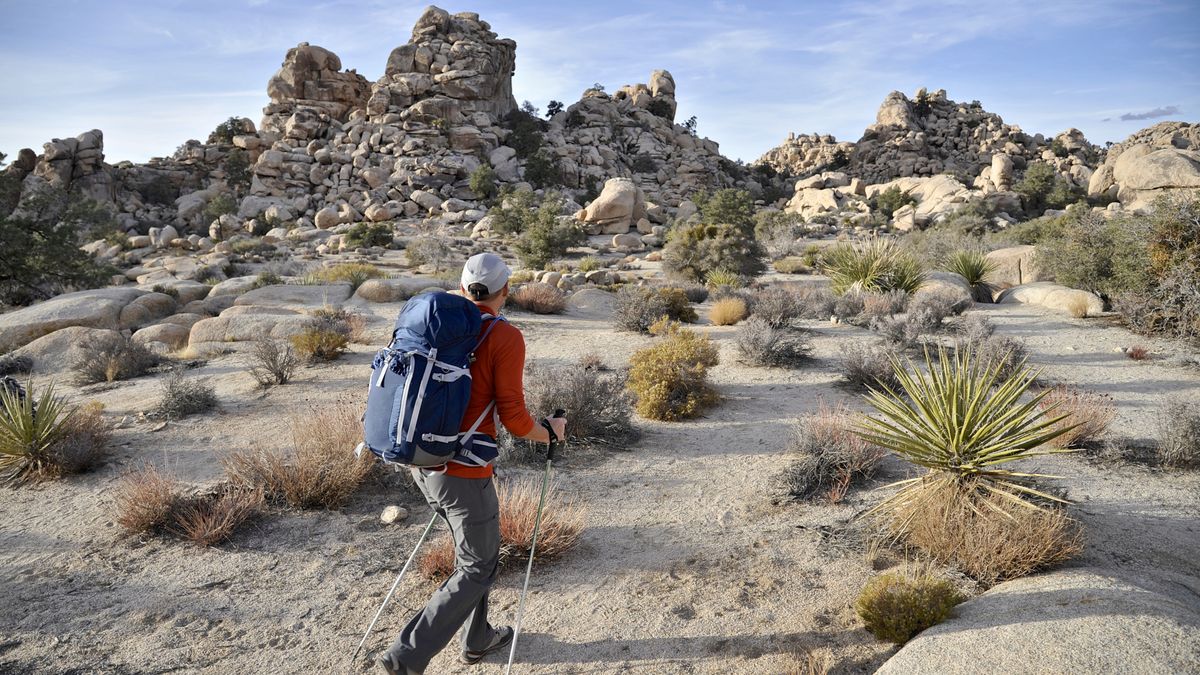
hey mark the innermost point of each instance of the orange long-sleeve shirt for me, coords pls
(498, 374)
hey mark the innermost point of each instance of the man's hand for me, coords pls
(559, 425)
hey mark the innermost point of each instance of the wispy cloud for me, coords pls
(1152, 114)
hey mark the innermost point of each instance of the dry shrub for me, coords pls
(539, 298)
(1138, 353)
(353, 273)
(146, 500)
(868, 366)
(670, 378)
(85, 442)
(963, 525)
(777, 305)
(11, 364)
(1088, 415)
(1179, 435)
(112, 360)
(316, 345)
(561, 526)
(182, 397)
(321, 471)
(881, 305)
(272, 362)
(896, 606)
(638, 308)
(695, 292)
(849, 306)
(727, 311)
(831, 456)
(1077, 307)
(759, 344)
(597, 402)
(811, 663)
(976, 335)
(211, 518)
(791, 265)
(338, 320)
(816, 302)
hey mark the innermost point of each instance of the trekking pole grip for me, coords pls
(558, 412)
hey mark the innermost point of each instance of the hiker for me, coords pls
(462, 492)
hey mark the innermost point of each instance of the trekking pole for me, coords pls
(537, 523)
(394, 586)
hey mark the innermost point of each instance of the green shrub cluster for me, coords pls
(895, 607)
(368, 235)
(638, 308)
(694, 251)
(483, 181)
(543, 236)
(1042, 188)
(670, 378)
(891, 200)
(877, 266)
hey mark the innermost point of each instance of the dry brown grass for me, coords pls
(831, 456)
(727, 311)
(562, 524)
(538, 298)
(1088, 415)
(961, 525)
(811, 663)
(146, 499)
(1078, 307)
(211, 518)
(1138, 353)
(321, 471)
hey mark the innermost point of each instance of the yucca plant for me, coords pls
(879, 266)
(964, 422)
(722, 280)
(28, 440)
(972, 265)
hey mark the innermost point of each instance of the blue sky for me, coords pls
(152, 74)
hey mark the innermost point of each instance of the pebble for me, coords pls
(393, 514)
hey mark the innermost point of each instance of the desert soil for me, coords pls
(689, 563)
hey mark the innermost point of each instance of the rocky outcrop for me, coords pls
(99, 308)
(1101, 622)
(310, 88)
(803, 155)
(620, 205)
(1053, 296)
(1161, 159)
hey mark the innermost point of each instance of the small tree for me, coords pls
(690, 125)
(553, 108)
(218, 206)
(483, 181)
(892, 199)
(726, 207)
(542, 170)
(544, 236)
(530, 109)
(694, 251)
(225, 131)
(237, 170)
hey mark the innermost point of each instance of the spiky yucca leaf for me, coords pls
(878, 266)
(963, 422)
(27, 440)
(971, 264)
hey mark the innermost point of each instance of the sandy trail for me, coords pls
(687, 564)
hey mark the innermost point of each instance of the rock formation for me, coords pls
(804, 155)
(1161, 158)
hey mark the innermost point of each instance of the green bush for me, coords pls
(637, 308)
(542, 170)
(368, 235)
(354, 273)
(42, 437)
(320, 344)
(237, 170)
(1042, 188)
(726, 207)
(545, 236)
(670, 378)
(895, 607)
(39, 246)
(218, 206)
(514, 213)
(891, 200)
(1170, 302)
(525, 133)
(483, 181)
(225, 131)
(692, 252)
(644, 164)
(1103, 255)
(877, 266)
(971, 264)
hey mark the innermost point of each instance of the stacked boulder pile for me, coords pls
(1164, 158)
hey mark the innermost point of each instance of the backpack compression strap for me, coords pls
(491, 408)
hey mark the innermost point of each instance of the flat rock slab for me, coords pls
(58, 351)
(1052, 296)
(222, 330)
(591, 303)
(397, 289)
(99, 308)
(1070, 621)
(297, 297)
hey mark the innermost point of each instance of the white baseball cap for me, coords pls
(487, 269)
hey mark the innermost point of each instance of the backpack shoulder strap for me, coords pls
(491, 323)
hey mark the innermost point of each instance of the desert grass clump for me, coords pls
(777, 305)
(539, 298)
(830, 457)
(727, 311)
(272, 362)
(877, 266)
(316, 345)
(976, 335)
(561, 527)
(878, 306)
(338, 320)
(895, 606)
(600, 406)
(1088, 415)
(353, 273)
(146, 500)
(211, 518)
(47, 438)
(1138, 353)
(723, 282)
(964, 424)
(816, 302)
(695, 293)
(848, 307)
(112, 360)
(1078, 307)
(760, 344)
(319, 473)
(1179, 435)
(866, 366)
(638, 308)
(184, 396)
(670, 378)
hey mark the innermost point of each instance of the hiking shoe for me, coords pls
(500, 640)
(392, 665)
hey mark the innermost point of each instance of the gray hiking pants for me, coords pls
(470, 509)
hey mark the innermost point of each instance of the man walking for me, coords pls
(462, 493)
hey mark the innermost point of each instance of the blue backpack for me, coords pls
(421, 385)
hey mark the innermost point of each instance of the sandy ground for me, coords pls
(688, 563)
